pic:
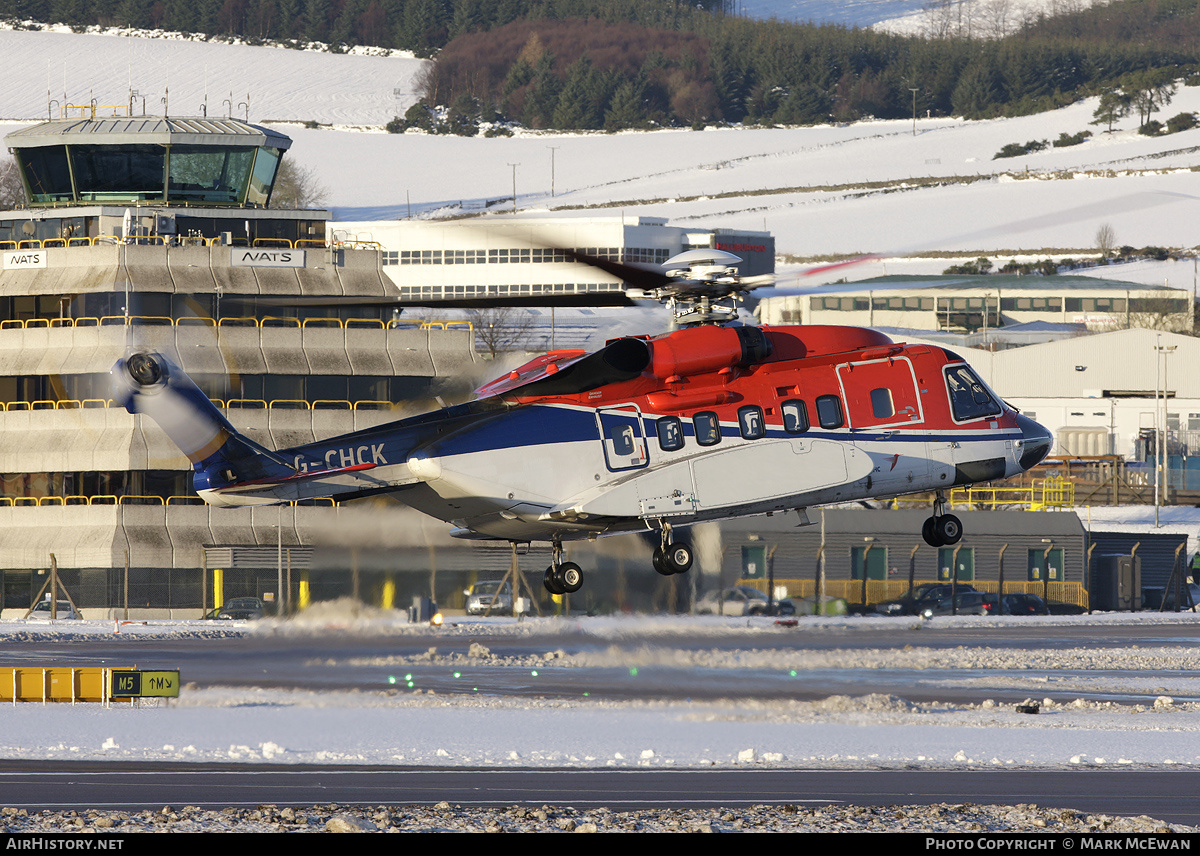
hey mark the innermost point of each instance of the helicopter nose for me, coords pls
(1036, 441)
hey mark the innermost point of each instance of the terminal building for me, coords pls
(523, 257)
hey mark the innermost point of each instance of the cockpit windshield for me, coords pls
(969, 398)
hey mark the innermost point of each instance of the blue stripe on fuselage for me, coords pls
(535, 425)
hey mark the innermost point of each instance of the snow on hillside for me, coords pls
(279, 84)
(869, 187)
(985, 18)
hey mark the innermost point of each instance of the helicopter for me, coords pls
(711, 420)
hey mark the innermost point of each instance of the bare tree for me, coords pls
(941, 18)
(995, 18)
(1162, 311)
(12, 190)
(297, 187)
(501, 328)
(1106, 240)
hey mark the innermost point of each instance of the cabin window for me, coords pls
(969, 398)
(750, 422)
(829, 411)
(795, 416)
(708, 428)
(881, 403)
(622, 438)
(670, 434)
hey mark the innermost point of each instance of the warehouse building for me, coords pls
(980, 303)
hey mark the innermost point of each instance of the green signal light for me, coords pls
(792, 673)
(391, 679)
(458, 674)
(534, 673)
(633, 673)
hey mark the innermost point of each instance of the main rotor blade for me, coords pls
(638, 277)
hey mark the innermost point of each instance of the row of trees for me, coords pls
(589, 74)
(626, 63)
(422, 26)
(1144, 91)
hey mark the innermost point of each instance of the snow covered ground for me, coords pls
(396, 725)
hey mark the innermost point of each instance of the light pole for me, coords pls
(552, 149)
(514, 169)
(1160, 418)
(914, 92)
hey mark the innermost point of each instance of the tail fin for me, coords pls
(149, 383)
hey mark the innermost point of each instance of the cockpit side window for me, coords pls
(969, 398)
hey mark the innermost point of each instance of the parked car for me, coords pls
(238, 609)
(1017, 603)
(65, 610)
(742, 600)
(963, 603)
(490, 593)
(919, 598)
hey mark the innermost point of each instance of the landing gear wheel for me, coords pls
(552, 582)
(929, 532)
(948, 529)
(570, 577)
(660, 562)
(678, 558)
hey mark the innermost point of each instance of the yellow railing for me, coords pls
(64, 110)
(1042, 494)
(237, 321)
(183, 241)
(130, 499)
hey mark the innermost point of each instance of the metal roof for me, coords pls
(1000, 282)
(143, 130)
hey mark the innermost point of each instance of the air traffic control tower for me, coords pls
(139, 231)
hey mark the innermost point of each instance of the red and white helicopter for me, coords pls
(706, 422)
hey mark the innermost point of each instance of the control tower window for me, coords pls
(48, 174)
(266, 163)
(127, 172)
(206, 174)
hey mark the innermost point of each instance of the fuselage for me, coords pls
(695, 425)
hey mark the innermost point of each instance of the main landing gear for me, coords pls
(672, 557)
(942, 529)
(562, 577)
